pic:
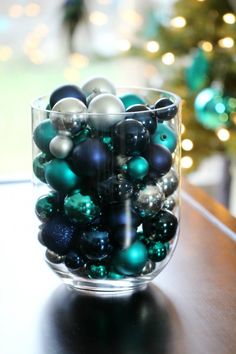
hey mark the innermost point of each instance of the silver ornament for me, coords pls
(104, 112)
(68, 115)
(148, 268)
(61, 146)
(149, 201)
(96, 86)
(54, 257)
(169, 182)
(169, 203)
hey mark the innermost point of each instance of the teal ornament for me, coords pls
(197, 72)
(130, 99)
(137, 167)
(97, 271)
(114, 276)
(39, 166)
(43, 134)
(130, 261)
(211, 109)
(80, 208)
(47, 206)
(82, 136)
(107, 140)
(60, 177)
(157, 251)
(165, 136)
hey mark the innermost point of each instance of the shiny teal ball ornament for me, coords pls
(130, 99)
(39, 166)
(137, 167)
(47, 206)
(157, 251)
(80, 208)
(60, 177)
(43, 134)
(130, 261)
(97, 271)
(165, 136)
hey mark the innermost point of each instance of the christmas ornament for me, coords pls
(58, 233)
(40, 238)
(74, 260)
(43, 134)
(91, 158)
(159, 159)
(137, 167)
(114, 276)
(130, 137)
(82, 136)
(130, 261)
(161, 228)
(68, 116)
(123, 236)
(148, 268)
(165, 136)
(169, 182)
(60, 177)
(97, 271)
(197, 72)
(157, 251)
(121, 214)
(129, 99)
(80, 208)
(149, 201)
(143, 115)
(98, 85)
(113, 189)
(104, 112)
(95, 244)
(60, 146)
(66, 91)
(39, 166)
(47, 206)
(169, 203)
(107, 140)
(166, 109)
(54, 257)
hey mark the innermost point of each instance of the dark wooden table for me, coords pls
(189, 308)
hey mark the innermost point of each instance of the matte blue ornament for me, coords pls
(144, 115)
(123, 236)
(66, 91)
(167, 109)
(47, 206)
(130, 261)
(95, 244)
(159, 159)
(39, 166)
(130, 137)
(114, 190)
(74, 260)
(58, 234)
(43, 134)
(121, 214)
(91, 158)
(60, 177)
(130, 99)
(165, 136)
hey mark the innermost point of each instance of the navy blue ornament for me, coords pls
(159, 159)
(58, 234)
(123, 236)
(113, 189)
(74, 260)
(167, 109)
(144, 116)
(161, 228)
(91, 158)
(121, 214)
(66, 91)
(130, 137)
(95, 244)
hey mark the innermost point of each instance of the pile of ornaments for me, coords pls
(108, 162)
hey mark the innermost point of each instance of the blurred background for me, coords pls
(187, 46)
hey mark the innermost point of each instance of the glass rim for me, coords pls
(176, 102)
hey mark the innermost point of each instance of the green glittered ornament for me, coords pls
(43, 134)
(130, 261)
(39, 166)
(60, 177)
(129, 99)
(157, 251)
(137, 167)
(165, 136)
(80, 208)
(82, 136)
(97, 271)
(47, 206)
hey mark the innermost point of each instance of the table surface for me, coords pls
(189, 308)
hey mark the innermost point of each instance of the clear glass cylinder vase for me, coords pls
(108, 190)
